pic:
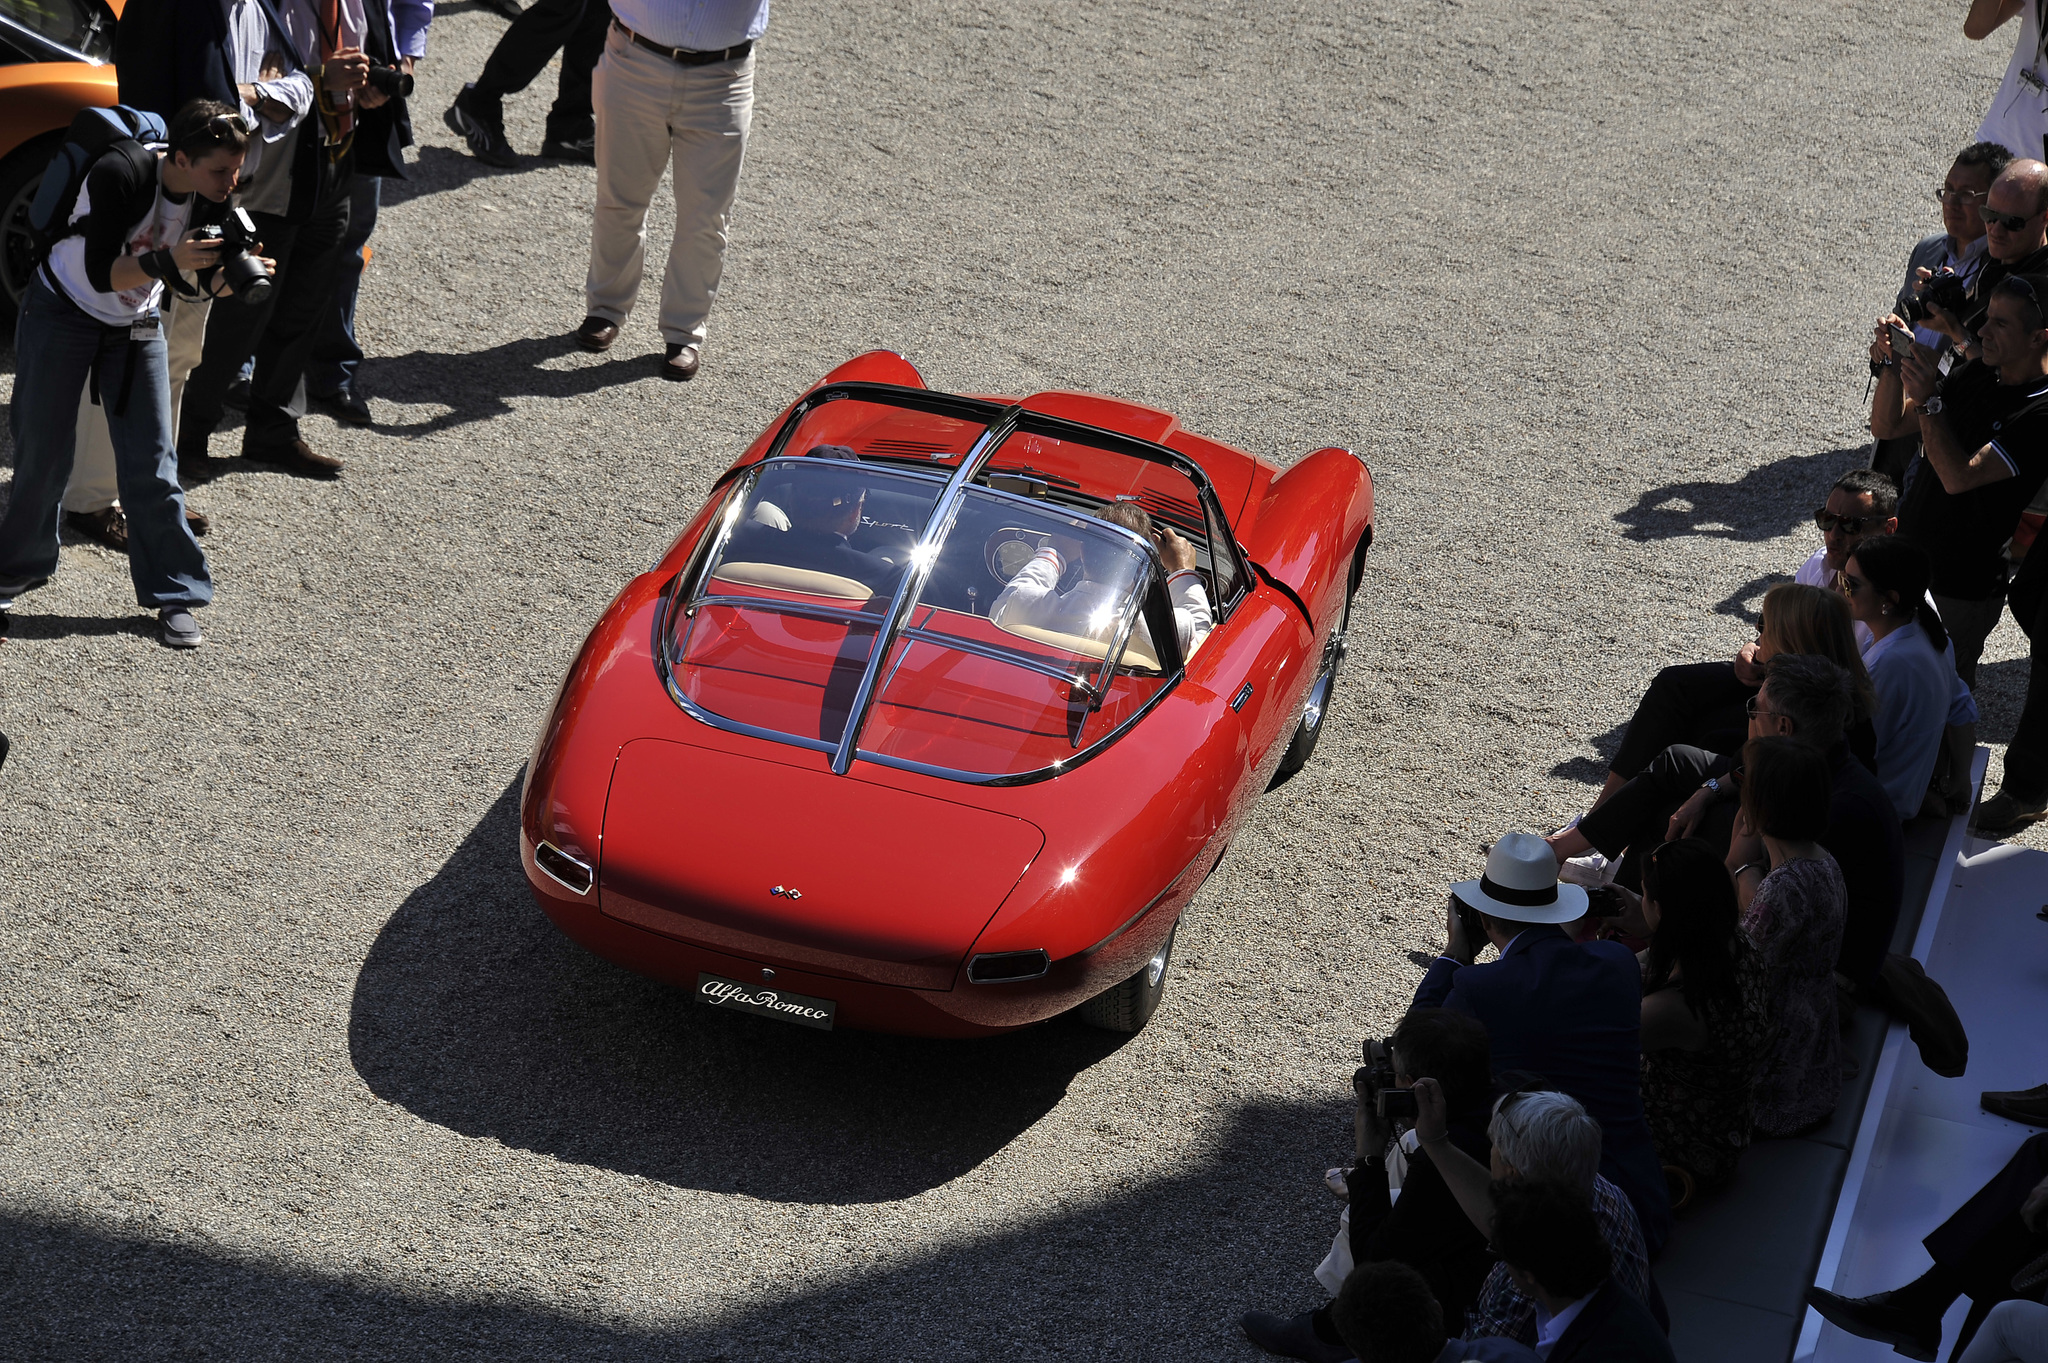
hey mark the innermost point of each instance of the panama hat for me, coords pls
(1520, 884)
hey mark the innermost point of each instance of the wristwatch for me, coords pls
(1712, 783)
(1931, 407)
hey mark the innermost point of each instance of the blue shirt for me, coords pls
(1915, 691)
(697, 25)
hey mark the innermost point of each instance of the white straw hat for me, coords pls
(1520, 884)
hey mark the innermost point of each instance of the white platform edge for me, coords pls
(1948, 870)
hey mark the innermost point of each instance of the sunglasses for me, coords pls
(2011, 222)
(1852, 585)
(1829, 522)
(1959, 196)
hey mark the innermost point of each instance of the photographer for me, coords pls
(1553, 1006)
(1985, 431)
(1425, 1228)
(2015, 217)
(91, 313)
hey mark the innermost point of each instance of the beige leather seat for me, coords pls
(781, 577)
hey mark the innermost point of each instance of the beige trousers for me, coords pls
(651, 111)
(92, 486)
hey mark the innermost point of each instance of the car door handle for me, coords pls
(1237, 701)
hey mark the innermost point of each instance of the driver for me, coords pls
(823, 512)
(1090, 607)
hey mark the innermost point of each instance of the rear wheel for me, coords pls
(1316, 708)
(1129, 1005)
(20, 175)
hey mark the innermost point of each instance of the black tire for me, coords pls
(1128, 1006)
(1315, 707)
(20, 175)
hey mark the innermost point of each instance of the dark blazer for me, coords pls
(1573, 1014)
(1864, 837)
(384, 132)
(1613, 1328)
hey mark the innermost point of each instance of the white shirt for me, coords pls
(2018, 117)
(163, 226)
(1550, 1329)
(1814, 572)
(698, 25)
(1091, 609)
(250, 40)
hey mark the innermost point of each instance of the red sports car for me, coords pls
(942, 708)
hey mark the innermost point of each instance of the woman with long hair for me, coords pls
(1706, 1013)
(1794, 905)
(1911, 665)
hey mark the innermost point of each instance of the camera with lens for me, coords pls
(390, 82)
(1373, 1082)
(1944, 289)
(237, 262)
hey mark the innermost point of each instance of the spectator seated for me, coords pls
(1386, 1315)
(1548, 1239)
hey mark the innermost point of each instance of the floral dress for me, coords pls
(1701, 1104)
(1795, 923)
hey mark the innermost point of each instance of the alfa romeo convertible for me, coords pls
(941, 709)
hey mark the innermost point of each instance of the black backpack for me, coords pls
(95, 134)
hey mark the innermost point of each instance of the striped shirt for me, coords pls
(696, 25)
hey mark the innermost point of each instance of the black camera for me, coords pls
(391, 82)
(237, 261)
(1374, 1084)
(1944, 289)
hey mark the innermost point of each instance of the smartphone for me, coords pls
(1902, 343)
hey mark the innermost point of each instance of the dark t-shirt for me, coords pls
(1964, 532)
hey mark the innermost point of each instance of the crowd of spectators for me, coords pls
(284, 117)
(1674, 970)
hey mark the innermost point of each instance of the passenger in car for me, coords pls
(822, 514)
(1091, 607)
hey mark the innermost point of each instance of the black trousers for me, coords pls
(1635, 817)
(576, 29)
(2026, 757)
(1694, 703)
(279, 332)
(1985, 1242)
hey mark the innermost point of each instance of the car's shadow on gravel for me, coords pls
(1764, 503)
(473, 1012)
(1158, 1265)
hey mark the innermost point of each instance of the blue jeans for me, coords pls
(56, 347)
(331, 368)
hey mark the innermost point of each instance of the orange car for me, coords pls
(56, 57)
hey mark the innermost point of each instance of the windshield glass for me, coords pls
(1005, 663)
(81, 25)
(789, 604)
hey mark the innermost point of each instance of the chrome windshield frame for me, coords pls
(1000, 423)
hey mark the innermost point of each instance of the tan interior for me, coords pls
(784, 578)
(1137, 652)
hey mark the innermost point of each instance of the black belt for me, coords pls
(683, 56)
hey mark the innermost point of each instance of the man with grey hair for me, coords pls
(1538, 1134)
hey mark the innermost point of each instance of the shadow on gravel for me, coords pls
(476, 385)
(19, 626)
(1157, 1269)
(1593, 770)
(2001, 695)
(1763, 504)
(473, 1012)
(443, 168)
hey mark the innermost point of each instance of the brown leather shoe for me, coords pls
(597, 334)
(297, 457)
(198, 521)
(680, 363)
(107, 526)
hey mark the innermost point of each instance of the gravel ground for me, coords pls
(293, 1065)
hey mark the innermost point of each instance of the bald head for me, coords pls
(2020, 191)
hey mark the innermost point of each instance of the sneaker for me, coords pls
(485, 136)
(582, 150)
(180, 630)
(108, 527)
(1591, 870)
(344, 405)
(2005, 814)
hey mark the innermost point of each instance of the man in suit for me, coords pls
(813, 532)
(1976, 1252)
(1386, 1314)
(1569, 1011)
(1546, 1235)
